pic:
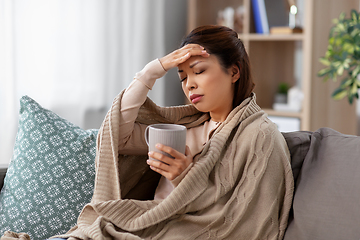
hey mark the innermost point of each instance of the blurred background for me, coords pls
(74, 56)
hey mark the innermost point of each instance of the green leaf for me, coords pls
(329, 53)
(346, 83)
(325, 61)
(339, 94)
(352, 96)
(341, 16)
(336, 64)
(323, 72)
(354, 88)
(346, 63)
(340, 70)
(355, 32)
(356, 95)
(356, 71)
(341, 27)
(349, 48)
(354, 15)
(339, 41)
(343, 55)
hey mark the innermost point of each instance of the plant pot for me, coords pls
(280, 98)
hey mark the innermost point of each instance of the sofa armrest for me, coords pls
(326, 204)
(2, 176)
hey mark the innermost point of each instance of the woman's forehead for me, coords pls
(194, 60)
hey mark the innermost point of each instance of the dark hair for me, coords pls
(224, 43)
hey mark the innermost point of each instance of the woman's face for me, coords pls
(208, 86)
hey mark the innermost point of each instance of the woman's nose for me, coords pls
(190, 83)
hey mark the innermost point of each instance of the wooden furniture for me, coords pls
(291, 58)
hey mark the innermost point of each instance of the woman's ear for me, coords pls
(235, 73)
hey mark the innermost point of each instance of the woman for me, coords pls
(234, 180)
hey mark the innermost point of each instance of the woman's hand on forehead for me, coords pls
(180, 55)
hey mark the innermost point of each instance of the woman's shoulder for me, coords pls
(260, 123)
(263, 138)
(263, 129)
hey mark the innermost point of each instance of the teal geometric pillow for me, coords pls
(51, 175)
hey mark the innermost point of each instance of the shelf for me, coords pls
(273, 112)
(276, 37)
(291, 58)
(272, 37)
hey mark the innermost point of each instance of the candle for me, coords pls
(292, 16)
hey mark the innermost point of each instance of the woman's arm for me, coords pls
(133, 141)
(132, 134)
(173, 167)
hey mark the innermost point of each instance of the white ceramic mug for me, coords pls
(171, 135)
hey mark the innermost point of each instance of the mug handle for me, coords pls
(147, 135)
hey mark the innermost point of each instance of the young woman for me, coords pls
(234, 180)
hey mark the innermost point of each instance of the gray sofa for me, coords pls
(326, 169)
(2, 176)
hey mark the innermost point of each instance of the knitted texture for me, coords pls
(240, 186)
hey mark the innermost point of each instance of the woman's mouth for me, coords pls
(195, 98)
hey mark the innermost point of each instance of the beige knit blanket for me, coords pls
(240, 187)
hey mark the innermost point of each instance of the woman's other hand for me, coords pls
(180, 55)
(169, 167)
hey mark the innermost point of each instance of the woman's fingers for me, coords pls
(167, 166)
(169, 150)
(162, 172)
(168, 171)
(181, 55)
(160, 157)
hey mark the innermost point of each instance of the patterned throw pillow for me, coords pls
(51, 175)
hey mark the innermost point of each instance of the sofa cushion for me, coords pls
(51, 175)
(298, 143)
(326, 201)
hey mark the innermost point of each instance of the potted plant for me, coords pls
(281, 95)
(342, 57)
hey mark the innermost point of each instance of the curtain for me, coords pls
(74, 56)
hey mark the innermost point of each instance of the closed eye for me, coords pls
(181, 80)
(197, 73)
